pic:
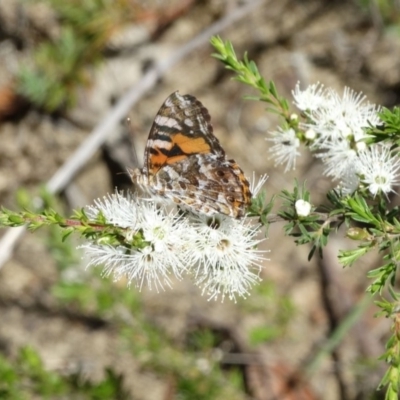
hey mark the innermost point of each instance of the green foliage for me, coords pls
(262, 334)
(207, 387)
(337, 336)
(388, 11)
(151, 347)
(26, 378)
(195, 370)
(62, 64)
(309, 229)
(380, 231)
(261, 208)
(62, 251)
(58, 70)
(96, 229)
(247, 72)
(273, 306)
(390, 126)
(99, 297)
(371, 221)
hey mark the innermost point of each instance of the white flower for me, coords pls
(342, 117)
(340, 125)
(303, 208)
(350, 181)
(285, 147)
(156, 244)
(337, 157)
(309, 99)
(161, 253)
(378, 168)
(353, 113)
(255, 187)
(225, 252)
(310, 134)
(164, 230)
(361, 146)
(138, 266)
(117, 209)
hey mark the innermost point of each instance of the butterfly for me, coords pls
(184, 162)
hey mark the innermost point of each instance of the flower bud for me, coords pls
(358, 234)
(303, 208)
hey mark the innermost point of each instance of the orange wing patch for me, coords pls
(190, 145)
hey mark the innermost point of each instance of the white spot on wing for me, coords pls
(188, 122)
(167, 121)
(169, 102)
(162, 144)
(171, 172)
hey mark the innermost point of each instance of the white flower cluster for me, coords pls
(220, 253)
(335, 128)
(285, 147)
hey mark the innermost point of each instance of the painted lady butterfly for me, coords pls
(185, 162)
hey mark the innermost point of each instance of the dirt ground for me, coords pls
(334, 42)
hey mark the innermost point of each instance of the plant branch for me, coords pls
(99, 134)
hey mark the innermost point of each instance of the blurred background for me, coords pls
(68, 333)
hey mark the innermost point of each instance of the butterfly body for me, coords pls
(184, 162)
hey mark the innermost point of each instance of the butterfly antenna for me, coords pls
(132, 140)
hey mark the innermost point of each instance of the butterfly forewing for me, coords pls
(180, 129)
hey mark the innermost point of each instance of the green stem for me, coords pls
(338, 334)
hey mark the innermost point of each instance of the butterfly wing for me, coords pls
(185, 162)
(207, 184)
(180, 129)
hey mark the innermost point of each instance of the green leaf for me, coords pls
(348, 257)
(67, 232)
(361, 211)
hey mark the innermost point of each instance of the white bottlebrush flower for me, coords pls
(353, 113)
(225, 253)
(337, 157)
(137, 266)
(163, 229)
(161, 252)
(118, 209)
(352, 103)
(310, 99)
(344, 169)
(285, 148)
(342, 117)
(156, 244)
(350, 180)
(303, 208)
(378, 168)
